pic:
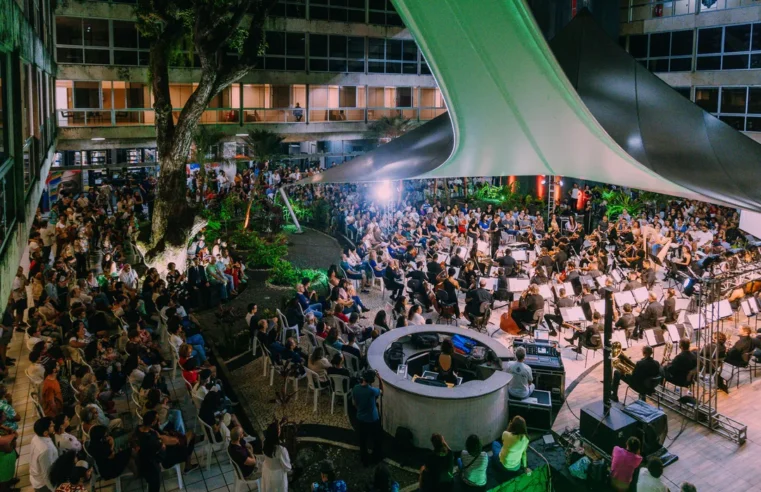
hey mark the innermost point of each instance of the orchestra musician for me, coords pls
(560, 258)
(633, 282)
(587, 298)
(502, 293)
(457, 260)
(590, 336)
(393, 278)
(540, 276)
(475, 298)
(627, 320)
(649, 317)
(495, 234)
(563, 301)
(418, 279)
(435, 269)
(451, 286)
(633, 255)
(531, 301)
(641, 379)
(681, 371)
(508, 263)
(648, 274)
(669, 306)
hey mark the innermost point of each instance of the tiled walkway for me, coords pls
(219, 478)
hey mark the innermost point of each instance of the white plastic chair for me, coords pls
(239, 478)
(331, 351)
(210, 440)
(314, 384)
(352, 363)
(268, 362)
(339, 386)
(37, 406)
(35, 382)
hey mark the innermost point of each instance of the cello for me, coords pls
(506, 321)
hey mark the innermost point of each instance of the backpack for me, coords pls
(395, 355)
(425, 340)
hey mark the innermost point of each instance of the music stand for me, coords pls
(725, 309)
(517, 284)
(624, 297)
(654, 337)
(484, 247)
(598, 306)
(456, 272)
(620, 337)
(520, 256)
(640, 295)
(493, 271)
(491, 283)
(616, 276)
(443, 258)
(573, 314)
(750, 309)
(568, 286)
(600, 280)
(546, 291)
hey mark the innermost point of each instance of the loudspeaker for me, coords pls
(653, 426)
(606, 431)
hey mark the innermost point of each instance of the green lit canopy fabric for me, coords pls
(513, 111)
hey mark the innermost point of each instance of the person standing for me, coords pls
(43, 454)
(277, 462)
(365, 399)
(624, 463)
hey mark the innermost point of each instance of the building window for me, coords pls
(739, 107)
(336, 103)
(392, 56)
(285, 51)
(337, 10)
(265, 103)
(331, 53)
(100, 42)
(391, 101)
(295, 9)
(736, 47)
(383, 12)
(663, 51)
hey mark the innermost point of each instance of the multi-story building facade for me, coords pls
(27, 123)
(708, 50)
(331, 68)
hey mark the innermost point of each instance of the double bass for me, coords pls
(506, 321)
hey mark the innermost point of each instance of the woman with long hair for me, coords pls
(382, 480)
(436, 474)
(415, 315)
(277, 463)
(380, 322)
(319, 363)
(511, 453)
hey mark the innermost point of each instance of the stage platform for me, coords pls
(707, 460)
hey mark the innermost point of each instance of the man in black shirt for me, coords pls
(669, 306)
(457, 261)
(590, 337)
(241, 452)
(434, 270)
(563, 301)
(641, 379)
(474, 298)
(633, 283)
(544, 260)
(587, 299)
(529, 305)
(681, 369)
(558, 261)
(507, 262)
(649, 318)
(626, 321)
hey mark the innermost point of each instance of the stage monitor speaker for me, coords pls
(603, 431)
(653, 426)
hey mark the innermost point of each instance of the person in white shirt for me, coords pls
(522, 384)
(42, 456)
(63, 440)
(650, 477)
(128, 277)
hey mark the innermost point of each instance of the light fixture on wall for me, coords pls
(98, 139)
(241, 134)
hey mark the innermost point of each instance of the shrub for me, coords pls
(261, 253)
(285, 274)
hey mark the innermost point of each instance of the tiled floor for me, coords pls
(219, 478)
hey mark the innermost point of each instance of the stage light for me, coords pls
(384, 192)
(544, 181)
(560, 182)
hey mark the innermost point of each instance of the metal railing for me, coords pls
(68, 118)
(7, 202)
(639, 10)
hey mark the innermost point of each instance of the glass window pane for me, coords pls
(659, 44)
(70, 55)
(404, 97)
(97, 57)
(318, 45)
(347, 97)
(681, 43)
(737, 38)
(356, 47)
(125, 34)
(68, 30)
(295, 44)
(376, 48)
(86, 95)
(735, 62)
(755, 61)
(733, 100)
(95, 32)
(409, 50)
(753, 125)
(125, 57)
(709, 40)
(275, 63)
(661, 65)
(319, 13)
(680, 65)
(683, 91)
(707, 98)
(377, 18)
(755, 44)
(295, 64)
(337, 65)
(357, 16)
(137, 95)
(393, 67)
(338, 14)
(275, 43)
(409, 68)
(356, 4)
(337, 47)
(393, 49)
(318, 65)
(356, 66)
(708, 63)
(377, 4)
(754, 100)
(375, 67)
(638, 46)
(736, 122)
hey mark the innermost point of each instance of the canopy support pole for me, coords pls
(290, 210)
